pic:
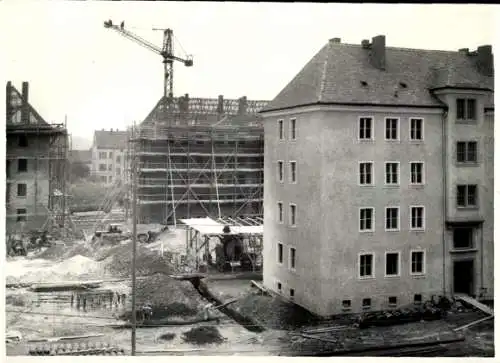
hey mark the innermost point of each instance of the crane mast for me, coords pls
(167, 53)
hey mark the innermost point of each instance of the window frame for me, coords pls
(372, 229)
(22, 196)
(279, 286)
(468, 206)
(290, 267)
(281, 130)
(424, 258)
(398, 274)
(398, 129)
(398, 228)
(420, 229)
(281, 171)
(281, 212)
(367, 306)
(278, 259)
(398, 174)
(25, 170)
(466, 153)
(467, 117)
(292, 123)
(293, 172)
(366, 277)
(392, 304)
(292, 214)
(372, 172)
(21, 217)
(372, 129)
(422, 171)
(412, 140)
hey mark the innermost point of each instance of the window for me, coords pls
(280, 129)
(417, 218)
(366, 219)
(391, 129)
(22, 165)
(293, 171)
(21, 190)
(21, 215)
(102, 155)
(392, 173)
(367, 303)
(280, 171)
(467, 152)
(366, 266)
(292, 258)
(293, 129)
(280, 253)
(102, 167)
(392, 264)
(392, 218)
(292, 293)
(293, 211)
(417, 262)
(417, 299)
(467, 195)
(393, 300)
(280, 212)
(110, 167)
(466, 109)
(463, 238)
(279, 286)
(365, 128)
(111, 155)
(417, 173)
(365, 173)
(23, 141)
(110, 179)
(103, 178)
(118, 158)
(416, 129)
(346, 304)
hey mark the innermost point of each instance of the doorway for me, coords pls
(463, 277)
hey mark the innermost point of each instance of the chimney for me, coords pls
(185, 103)
(365, 44)
(220, 104)
(377, 52)
(484, 60)
(25, 111)
(242, 105)
(335, 40)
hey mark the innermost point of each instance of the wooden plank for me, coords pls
(473, 323)
(328, 329)
(475, 303)
(259, 286)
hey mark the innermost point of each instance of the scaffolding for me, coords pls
(36, 165)
(199, 157)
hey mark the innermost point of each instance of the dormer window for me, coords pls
(466, 109)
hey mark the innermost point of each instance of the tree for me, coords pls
(78, 170)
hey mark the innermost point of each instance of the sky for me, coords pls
(99, 79)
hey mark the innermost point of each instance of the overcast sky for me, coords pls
(99, 79)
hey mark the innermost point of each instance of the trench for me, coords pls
(245, 321)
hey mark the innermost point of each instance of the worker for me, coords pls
(147, 312)
(122, 25)
(206, 311)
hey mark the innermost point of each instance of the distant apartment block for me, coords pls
(109, 152)
(378, 187)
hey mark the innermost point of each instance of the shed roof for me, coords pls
(336, 74)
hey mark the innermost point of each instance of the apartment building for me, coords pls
(378, 189)
(36, 156)
(109, 152)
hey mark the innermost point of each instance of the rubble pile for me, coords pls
(203, 335)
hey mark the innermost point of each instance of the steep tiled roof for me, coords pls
(15, 100)
(342, 73)
(105, 139)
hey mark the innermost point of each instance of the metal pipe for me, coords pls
(134, 245)
(445, 193)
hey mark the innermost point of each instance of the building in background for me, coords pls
(379, 178)
(200, 157)
(36, 159)
(109, 149)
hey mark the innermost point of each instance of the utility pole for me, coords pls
(134, 237)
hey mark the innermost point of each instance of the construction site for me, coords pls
(177, 270)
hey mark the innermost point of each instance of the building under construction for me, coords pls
(199, 157)
(36, 157)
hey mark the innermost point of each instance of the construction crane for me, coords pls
(167, 52)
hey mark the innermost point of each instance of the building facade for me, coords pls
(379, 178)
(109, 154)
(36, 158)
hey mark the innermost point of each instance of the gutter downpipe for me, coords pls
(445, 192)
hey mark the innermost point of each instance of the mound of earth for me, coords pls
(168, 297)
(203, 335)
